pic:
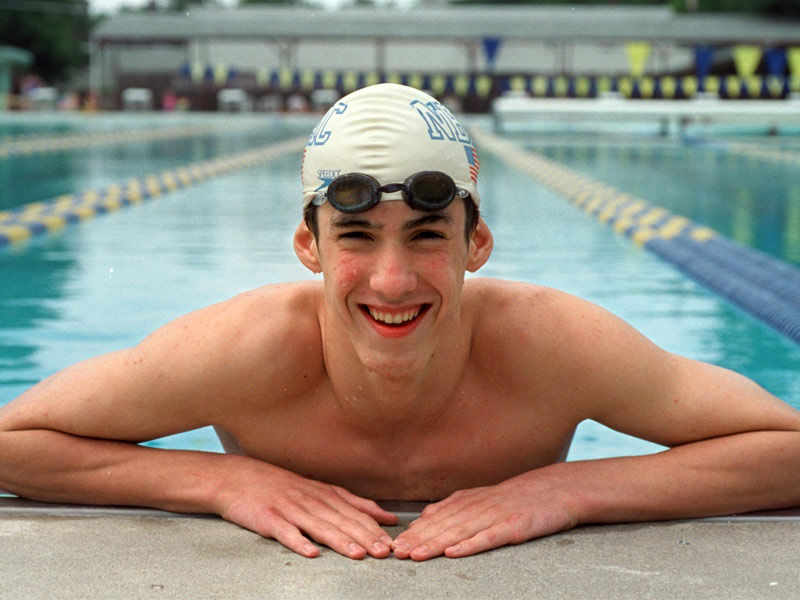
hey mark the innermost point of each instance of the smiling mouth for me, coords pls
(395, 319)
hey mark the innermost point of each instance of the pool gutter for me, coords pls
(60, 551)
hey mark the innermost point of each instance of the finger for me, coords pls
(430, 543)
(367, 506)
(494, 537)
(332, 536)
(342, 528)
(431, 534)
(436, 545)
(365, 513)
(453, 502)
(287, 534)
(463, 519)
(465, 503)
(361, 527)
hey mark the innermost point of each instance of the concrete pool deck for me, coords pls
(63, 551)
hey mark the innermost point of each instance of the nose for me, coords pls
(393, 276)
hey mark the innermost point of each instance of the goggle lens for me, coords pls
(350, 192)
(431, 191)
(357, 192)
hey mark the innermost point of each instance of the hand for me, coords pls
(478, 519)
(283, 506)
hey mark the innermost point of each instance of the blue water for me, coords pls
(735, 185)
(107, 282)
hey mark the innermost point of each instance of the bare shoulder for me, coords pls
(562, 349)
(501, 307)
(264, 314)
(262, 331)
(193, 371)
(540, 336)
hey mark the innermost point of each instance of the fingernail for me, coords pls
(401, 545)
(386, 540)
(380, 547)
(419, 553)
(354, 548)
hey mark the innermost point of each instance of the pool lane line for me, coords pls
(790, 157)
(27, 145)
(37, 218)
(765, 287)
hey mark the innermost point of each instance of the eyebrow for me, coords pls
(429, 219)
(347, 222)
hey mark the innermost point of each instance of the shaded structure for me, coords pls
(10, 58)
(473, 53)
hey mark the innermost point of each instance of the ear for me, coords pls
(481, 243)
(305, 246)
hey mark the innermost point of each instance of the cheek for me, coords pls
(347, 271)
(445, 267)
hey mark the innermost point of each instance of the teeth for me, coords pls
(393, 319)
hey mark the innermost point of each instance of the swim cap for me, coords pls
(388, 131)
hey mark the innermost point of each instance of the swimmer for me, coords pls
(393, 377)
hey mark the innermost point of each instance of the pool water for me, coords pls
(105, 283)
(746, 188)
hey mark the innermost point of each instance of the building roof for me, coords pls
(541, 23)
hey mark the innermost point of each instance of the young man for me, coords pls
(393, 378)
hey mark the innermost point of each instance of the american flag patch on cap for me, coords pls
(474, 163)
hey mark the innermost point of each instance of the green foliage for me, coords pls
(565, 2)
(284, 2)
(55, 31)
(765, 7)
(182, 5)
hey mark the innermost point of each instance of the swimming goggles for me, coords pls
(357, 192)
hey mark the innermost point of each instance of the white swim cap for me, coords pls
(389, 132)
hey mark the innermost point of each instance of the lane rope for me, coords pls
(789, 157)
(25, 145)
(37, 218)
(765, 287)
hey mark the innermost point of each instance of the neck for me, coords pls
(385, 400)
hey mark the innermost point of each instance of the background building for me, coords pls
(470, 54)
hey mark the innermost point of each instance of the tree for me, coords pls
(55, 31)
(273, 2)
(766, 7)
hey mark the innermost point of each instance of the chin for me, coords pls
(391, 366)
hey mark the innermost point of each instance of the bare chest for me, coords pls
(483, 444)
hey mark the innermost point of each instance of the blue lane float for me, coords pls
(37, 218)
(765, 287)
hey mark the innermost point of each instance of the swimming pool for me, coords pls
(105, 282)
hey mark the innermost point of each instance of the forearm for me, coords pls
(58, 467)
(745, 472)
(273, 502)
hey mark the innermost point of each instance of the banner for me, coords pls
(793, 58)
(491, 45)
(703, 59)
(638, 53)
(746, 59)
(775, 59)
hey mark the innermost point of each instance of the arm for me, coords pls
(72, 438)
(733, 448)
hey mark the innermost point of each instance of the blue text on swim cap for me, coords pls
(440, 122)
(320, 134)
